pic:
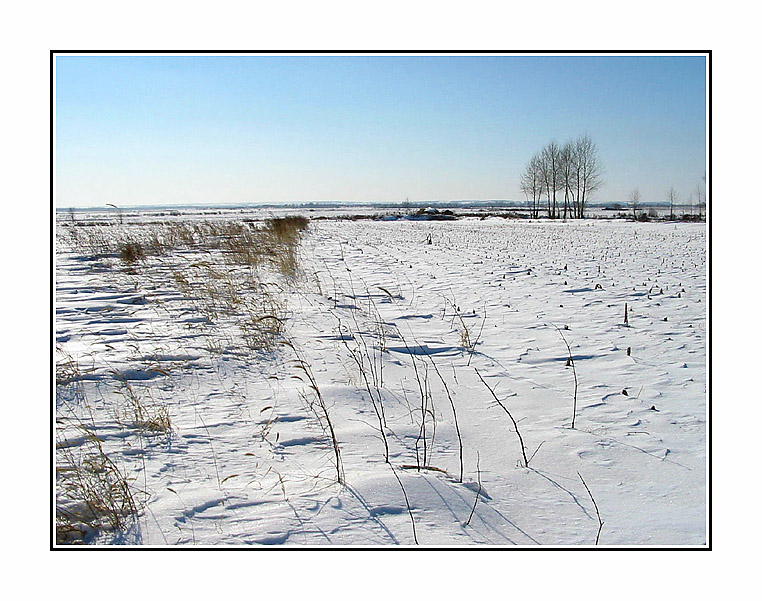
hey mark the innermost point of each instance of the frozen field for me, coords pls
(206, 398)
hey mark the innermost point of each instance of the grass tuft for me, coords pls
(131, 252)
(92, 492)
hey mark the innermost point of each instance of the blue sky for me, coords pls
(134, 130)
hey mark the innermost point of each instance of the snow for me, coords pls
(378, 323)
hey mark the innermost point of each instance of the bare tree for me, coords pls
(531, 184)
(551, 174)
(589, 171)
(705, 198)
(568, 176)
(699, 195)
(635, 200)
(672, 200)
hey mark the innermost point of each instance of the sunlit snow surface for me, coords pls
(248, 462)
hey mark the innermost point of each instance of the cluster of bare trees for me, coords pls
(568, 174)
(673, 199)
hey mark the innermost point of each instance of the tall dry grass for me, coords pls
(93, 493)
(231, 273)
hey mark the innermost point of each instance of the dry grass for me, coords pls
(67, 368)
(272, 243)
(229, 272)
(131, 252)
(92, 492)
(235, 296)
(287, 229)
(148, 418)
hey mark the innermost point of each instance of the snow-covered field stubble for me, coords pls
(408, 373)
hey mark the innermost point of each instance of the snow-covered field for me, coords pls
(381, 405)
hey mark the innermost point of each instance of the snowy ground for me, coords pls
(398, 333)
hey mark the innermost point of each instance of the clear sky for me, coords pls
(135, 130)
